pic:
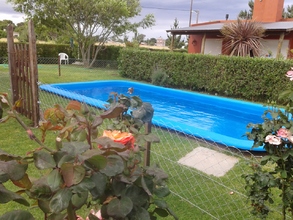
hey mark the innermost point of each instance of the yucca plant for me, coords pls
(242, 38)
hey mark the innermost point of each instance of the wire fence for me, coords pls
(108, 64)
(204, 176)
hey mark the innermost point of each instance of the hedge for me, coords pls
(52, 50)
(253, 79)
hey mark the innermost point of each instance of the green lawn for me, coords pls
(195, 195)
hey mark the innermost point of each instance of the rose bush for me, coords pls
(273, 176)
(90, 166)
(125, 138)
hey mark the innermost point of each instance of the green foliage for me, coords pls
(87, 22)
(160, 78)
(244, 14)
(3, 26)
(109, 53)
(87, 169)
(152, 41)
(275, 135)
(1, 111)
(22, 29)
(17, 215)
(258, 187)
(43, 50)
(178, 43)
(52, 50)
(288, 13)
(3, 50)
(3, 34)
(237, 77)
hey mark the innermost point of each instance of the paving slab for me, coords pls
(209, 161)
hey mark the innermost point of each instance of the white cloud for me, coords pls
(7, 13)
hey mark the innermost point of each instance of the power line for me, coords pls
(166, 9)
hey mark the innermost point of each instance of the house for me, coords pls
(15, 34)
(160, 42)
(206, 37)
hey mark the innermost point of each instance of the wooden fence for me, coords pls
(23, 71)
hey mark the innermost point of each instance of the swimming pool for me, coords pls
(213, 118)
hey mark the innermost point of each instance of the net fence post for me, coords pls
(147, 154)
(59, 66)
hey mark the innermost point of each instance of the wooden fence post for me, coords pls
(34, 73)
(11, 63)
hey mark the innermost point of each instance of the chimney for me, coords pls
(268, 10)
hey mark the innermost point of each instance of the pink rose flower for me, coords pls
(283, 132)
(289, 74)
(273, 139)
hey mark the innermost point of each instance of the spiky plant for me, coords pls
(242, 38)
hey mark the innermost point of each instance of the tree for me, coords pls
(242, 38)
(139, 38)
(3, 25)
(3, 34)
(89, 22)
(178, 43)
(152, 41)
(22, 29)
(247, 14)
(289, 12)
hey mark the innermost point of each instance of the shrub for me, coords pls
(238, 77)
(272, 178)
(160, 78)
(87, 169)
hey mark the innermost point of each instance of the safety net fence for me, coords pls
(205, 178)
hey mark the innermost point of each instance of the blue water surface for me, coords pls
(213, 118)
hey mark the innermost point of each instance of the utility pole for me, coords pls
(190, 12)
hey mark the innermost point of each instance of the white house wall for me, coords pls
(213, 46)
(271, 46)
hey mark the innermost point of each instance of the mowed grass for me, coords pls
(195, 194)
(13, 138)
(70, 73)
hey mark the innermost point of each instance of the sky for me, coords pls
(166, 12)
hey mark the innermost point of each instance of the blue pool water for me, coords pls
(213, 118)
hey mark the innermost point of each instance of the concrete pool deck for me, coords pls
(209, 161)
